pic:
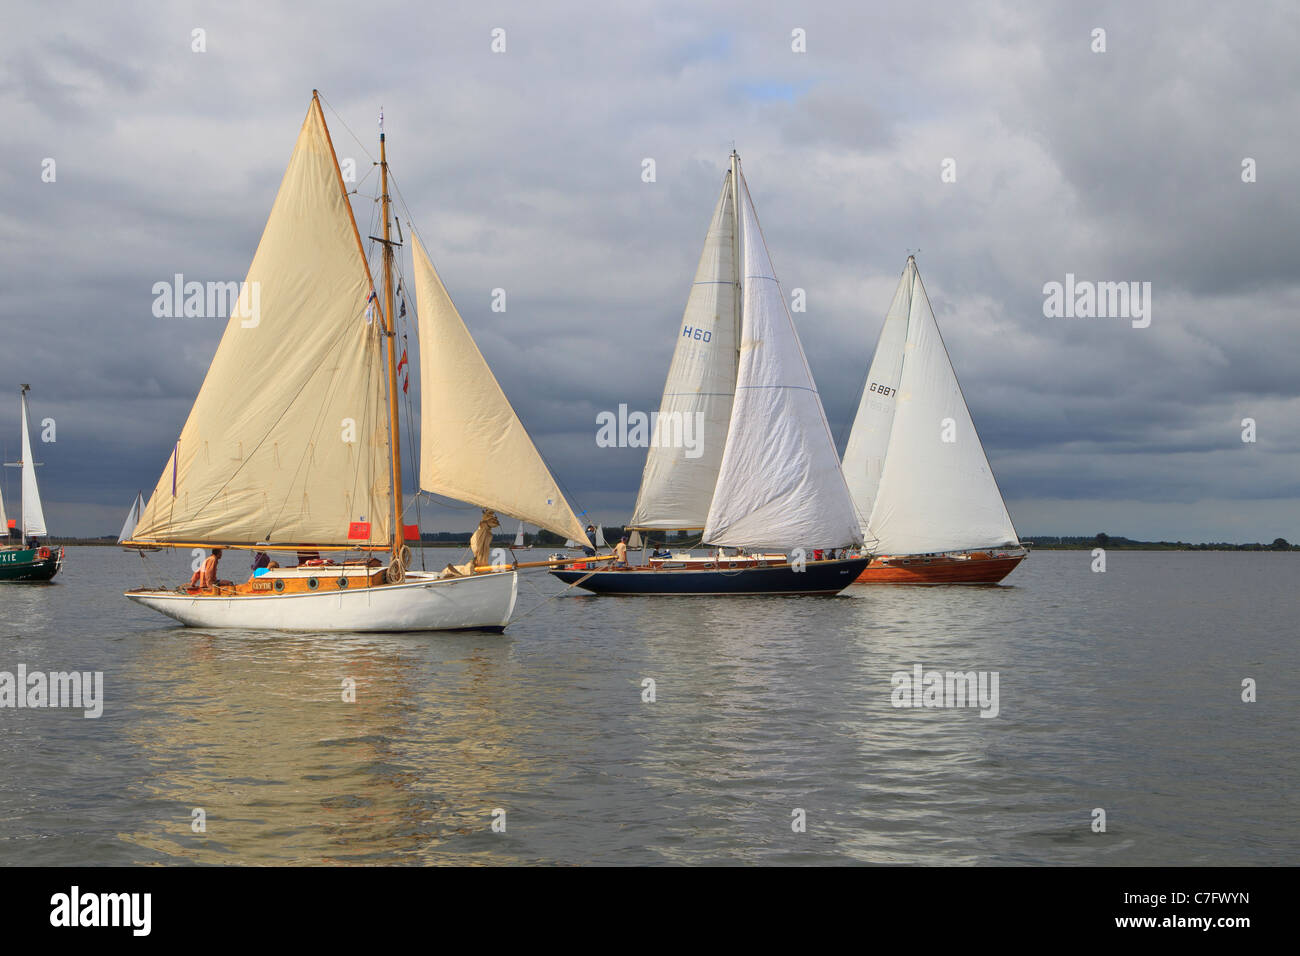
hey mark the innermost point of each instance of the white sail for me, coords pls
(864, 456)
(472, 445)
(132, 519)
(780, 483)
(33, 516)
(519, 536)
(600, 537)
(679, 477)
(287, 441)
(4, 519)
(937, 492)
(634, 540)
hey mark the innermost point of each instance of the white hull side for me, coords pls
(422, 603)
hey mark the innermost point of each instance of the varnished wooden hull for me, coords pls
(941, 569)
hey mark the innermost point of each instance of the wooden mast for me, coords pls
(391, 333)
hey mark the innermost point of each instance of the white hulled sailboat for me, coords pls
(761, 471)
(293, 441)
(925, 494)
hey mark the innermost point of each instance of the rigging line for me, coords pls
(346, 126)
(519, 617)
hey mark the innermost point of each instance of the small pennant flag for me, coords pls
(402, 312)
(406, 385)
(402, 361)
(359, 531)
(370, 307)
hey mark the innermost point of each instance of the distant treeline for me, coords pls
(1119, 543)
(545, 539)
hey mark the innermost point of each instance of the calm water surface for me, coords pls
(1119, 690)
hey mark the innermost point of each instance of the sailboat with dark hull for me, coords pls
(292, 444)
(925, 493)
(761, 480)
(28, 561)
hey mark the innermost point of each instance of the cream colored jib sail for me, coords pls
(293, 441)
(920, 479)
(472, 445)
(766, 474)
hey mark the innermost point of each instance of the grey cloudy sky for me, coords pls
(523, 171)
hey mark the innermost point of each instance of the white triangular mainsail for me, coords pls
(472, 445)
(132, 519)
(33, 515)
(679, 477)
(4, 519)
(864, 456)
(780, 483)
(937, 492)
(287, 441)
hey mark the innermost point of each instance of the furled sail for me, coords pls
(132, 519)
(864, 456)
(780, 483)
(685, 453)
(287, 441)
(937, 492)
(472, 445)
(33, 515)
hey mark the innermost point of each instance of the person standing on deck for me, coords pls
(620, 554)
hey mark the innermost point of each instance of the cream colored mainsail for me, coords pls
(472, 445)
(287, 441)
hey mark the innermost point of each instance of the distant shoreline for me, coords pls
(1047, 543)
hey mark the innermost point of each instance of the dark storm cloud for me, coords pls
(523, 171)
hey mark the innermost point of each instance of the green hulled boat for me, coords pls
(27, 560)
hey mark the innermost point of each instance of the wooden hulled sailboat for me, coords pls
(761, 471)
(292, 445)
(27, 560)
(925, 494)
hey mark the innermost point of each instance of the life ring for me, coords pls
(317, 562)
(42, 554)
(396, 573)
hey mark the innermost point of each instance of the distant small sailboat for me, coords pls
(28, 560)
(293, 443)
(519, 536)
(921, 482)
(762, 471)
(132, 519)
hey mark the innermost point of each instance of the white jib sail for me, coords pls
(780, 484)
(864, 456)
(681, 467)
(937, 492)
(4, 519)
(33, 516)
(519, 536)
(472, 445)
(132, 519)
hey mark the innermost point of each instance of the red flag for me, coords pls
(411, 532)
(13, 523)
(406, 384)
(403, 360)
(359, 531)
